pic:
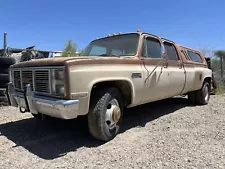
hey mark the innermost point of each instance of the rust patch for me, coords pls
(129, 61)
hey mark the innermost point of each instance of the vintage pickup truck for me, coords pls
(112, 73)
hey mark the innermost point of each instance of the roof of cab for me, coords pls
(141, 33)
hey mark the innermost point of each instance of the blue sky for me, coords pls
(49, 24)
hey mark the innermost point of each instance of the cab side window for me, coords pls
(194, 56)
(151, 48)
(171, 51)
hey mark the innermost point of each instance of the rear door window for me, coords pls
(171, 51)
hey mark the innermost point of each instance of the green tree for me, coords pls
(70, 49)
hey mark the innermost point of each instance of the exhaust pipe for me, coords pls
(5, 43)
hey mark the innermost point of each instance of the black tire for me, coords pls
(3, 85)
(4, 78)
(100, 102)
(41, 116)
(4, 69)
(192, 97)
(2, 92)
(7, 61)
(203, 95)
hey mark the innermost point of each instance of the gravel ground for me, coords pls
(165, 134)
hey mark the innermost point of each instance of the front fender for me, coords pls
(102, 80)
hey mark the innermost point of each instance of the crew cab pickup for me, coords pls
(112, 73)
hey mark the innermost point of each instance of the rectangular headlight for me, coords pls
(58, 83)
(59, 74)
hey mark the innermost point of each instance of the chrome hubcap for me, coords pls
(113, 114)
(206, 92)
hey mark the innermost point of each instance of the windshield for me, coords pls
(121, 45)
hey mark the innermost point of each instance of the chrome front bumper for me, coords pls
(63, 109)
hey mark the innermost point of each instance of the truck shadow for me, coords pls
(54, 138)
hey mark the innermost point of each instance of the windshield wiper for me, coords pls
(103, 55)
(110, 55)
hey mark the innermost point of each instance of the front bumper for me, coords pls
(63, 109)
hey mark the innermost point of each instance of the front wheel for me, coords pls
(105, 113)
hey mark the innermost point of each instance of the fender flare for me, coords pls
(95, 82)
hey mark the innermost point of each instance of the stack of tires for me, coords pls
(5, 63)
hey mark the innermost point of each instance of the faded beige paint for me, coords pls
(82, 81)
(160, 85)
(169, 79)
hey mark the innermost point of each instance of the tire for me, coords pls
(4, 69)
(4, 79)
(192, 97)
(3, 85)
(41, 116)
(101, 126)
(7, 61)
(2, 92)
(203, 95)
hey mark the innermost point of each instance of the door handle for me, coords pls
(165, 64)
(180, 65)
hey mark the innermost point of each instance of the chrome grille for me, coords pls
(42, 81)
(27, 78)
(17, 79)
(39, 79)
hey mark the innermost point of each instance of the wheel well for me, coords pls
(123, 86)
(207, 79)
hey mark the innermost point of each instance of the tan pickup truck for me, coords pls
(113, 72)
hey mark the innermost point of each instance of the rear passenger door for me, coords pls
(176, 69)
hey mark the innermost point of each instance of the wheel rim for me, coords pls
(206, 92)
(113, 114)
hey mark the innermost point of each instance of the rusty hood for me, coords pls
(63, 61)
(59, 61)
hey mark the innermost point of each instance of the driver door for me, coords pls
(157, 76)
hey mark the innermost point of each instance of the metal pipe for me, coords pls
(5, 43)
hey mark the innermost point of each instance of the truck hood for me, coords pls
(63, 61)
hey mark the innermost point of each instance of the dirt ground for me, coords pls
(166, 134)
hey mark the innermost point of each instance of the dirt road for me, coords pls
(164, 134)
